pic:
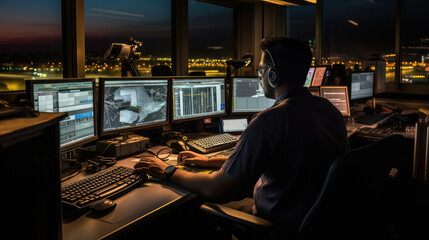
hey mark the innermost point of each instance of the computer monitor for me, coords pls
(338, 96)
(319, 75)
(128, 104)
(233, 125)
(199, 97)
(310, 76)
(362, 85)
(248, 95)
(74, 96)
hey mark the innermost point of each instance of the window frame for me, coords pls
(398, 86)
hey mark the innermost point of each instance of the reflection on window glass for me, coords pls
(357, 33)
(30, 42)
(112, 21)
(415, 56)
(210, 38)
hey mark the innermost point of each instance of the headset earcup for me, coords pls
(273, 77)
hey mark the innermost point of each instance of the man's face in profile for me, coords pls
(268, 90)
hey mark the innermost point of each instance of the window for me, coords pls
(359, 33)
(210, 38)
(301, 23)
(30, 42)
(415, 47)
(112, 21)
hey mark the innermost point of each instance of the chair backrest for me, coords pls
(161, 70)
(356, 192)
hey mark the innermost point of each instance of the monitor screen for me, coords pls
(339, 97)
(198, 97)
(248, 95)
(319, 75)
(361, 85)
(233, 125)
(130, 103)
(310, 75)
(74, 97)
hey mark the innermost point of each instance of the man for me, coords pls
(285, 152)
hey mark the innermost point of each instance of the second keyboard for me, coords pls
(213, 143)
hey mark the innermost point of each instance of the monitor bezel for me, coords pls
(311, 89)
(101, 84)
(311, 81)
(324, 74)
(29, 84)
(347, 96)
(350, 87)
(200, 117)
(231, 107)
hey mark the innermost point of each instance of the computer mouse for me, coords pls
(177, 146)
(103, 206)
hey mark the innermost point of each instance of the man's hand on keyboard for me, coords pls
(189, 157)
(152, 166)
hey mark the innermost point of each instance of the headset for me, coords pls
(273, 74)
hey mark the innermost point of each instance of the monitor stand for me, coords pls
(123, 146)
(198, 126)
(127, 135)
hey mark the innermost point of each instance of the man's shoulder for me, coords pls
(271, 115)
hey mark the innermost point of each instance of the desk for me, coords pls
(354, 127)
(139, 205)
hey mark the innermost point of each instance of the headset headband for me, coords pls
(272, 59)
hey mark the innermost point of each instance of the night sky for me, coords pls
(31, 26)
(361, 28)
(28, 26)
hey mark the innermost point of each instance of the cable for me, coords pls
(99, 163)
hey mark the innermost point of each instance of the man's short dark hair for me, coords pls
(292, 58)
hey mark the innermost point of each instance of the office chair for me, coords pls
(161, 70)
(357, 199)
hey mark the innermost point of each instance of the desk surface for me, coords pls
(141, 204)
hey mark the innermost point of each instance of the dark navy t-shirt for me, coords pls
(285, 153)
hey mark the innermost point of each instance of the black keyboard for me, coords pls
(213, 143)
(108, 183)
(375, 133)
(374, 118)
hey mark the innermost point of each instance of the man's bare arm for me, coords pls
(216, 186)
